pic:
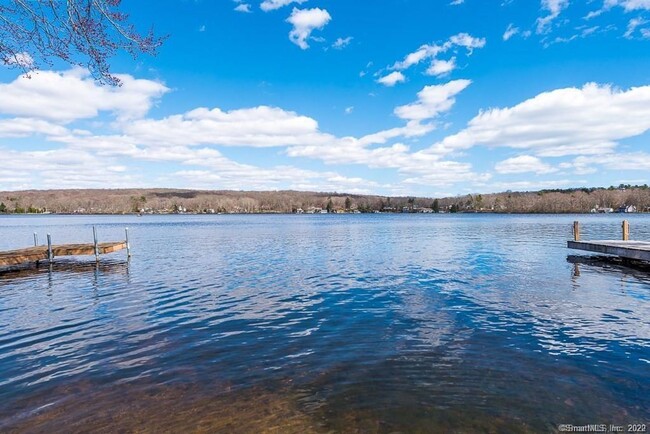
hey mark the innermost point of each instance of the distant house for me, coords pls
(300, 211)
(626, 209)
(602, 210)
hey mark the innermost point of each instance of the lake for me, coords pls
(324, 323)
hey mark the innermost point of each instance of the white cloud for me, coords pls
(432, 51)
(225, 173)
(468, 41)
(269, 5)
(494, 187)
(523, 164)
(392, 79)
(569, 121)
(24, 127)
(446, 173)
(74, 94)
(425, 52)
(632, 25)
(431, 169)
(456, 2)
(304, 22)
(243, 7)
(24, 60)
(554, 8)
(177, 138)
(60, 168)
(432, 100)
(253, 127)
(510, 32)
(629, 5)
(341, 43)
(614, 161)
(441, 67)
(349, 110)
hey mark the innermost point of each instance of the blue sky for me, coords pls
(398, 97)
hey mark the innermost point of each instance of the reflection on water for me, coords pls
(63, 267)
(326, 323)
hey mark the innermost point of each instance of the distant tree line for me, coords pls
(580, 200)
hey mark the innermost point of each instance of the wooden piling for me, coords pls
(576, 231)
(95, 244)
(626, 249)
(35, 239)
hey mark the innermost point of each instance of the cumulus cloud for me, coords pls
(188, 140)
(431, 169)
(570, 121)
(254, 127)
(392, 79)
(625, 161)
(629, 5)
(74, 94)
(523, 164)
(24, 60)
(61, 168)
(447, 173)
(441, 67)
(243, 7)
(304, 22)
(24, 127)
(269, 5)
(430, 51)
(432, 100)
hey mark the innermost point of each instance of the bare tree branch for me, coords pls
(80, 32)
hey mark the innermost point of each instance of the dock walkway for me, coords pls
(639, 250)
(41, 253)
(624, 248)
(46, 253)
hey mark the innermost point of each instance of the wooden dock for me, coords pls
(41, 253)
(624, 248)
(46, 253)
(639, 250)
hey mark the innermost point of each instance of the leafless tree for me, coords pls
(80, 32)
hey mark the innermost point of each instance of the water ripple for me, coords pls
(393, 322)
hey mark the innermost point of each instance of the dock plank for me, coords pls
(39, 253)
(625, 249)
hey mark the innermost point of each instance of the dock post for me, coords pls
(576, 231)
(96, 246)
(50, 254)
(35, 239)
(626, 230)
(128, 246)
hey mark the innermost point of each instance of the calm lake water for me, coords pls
(324, 323)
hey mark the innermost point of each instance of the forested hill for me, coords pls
(153, 201)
